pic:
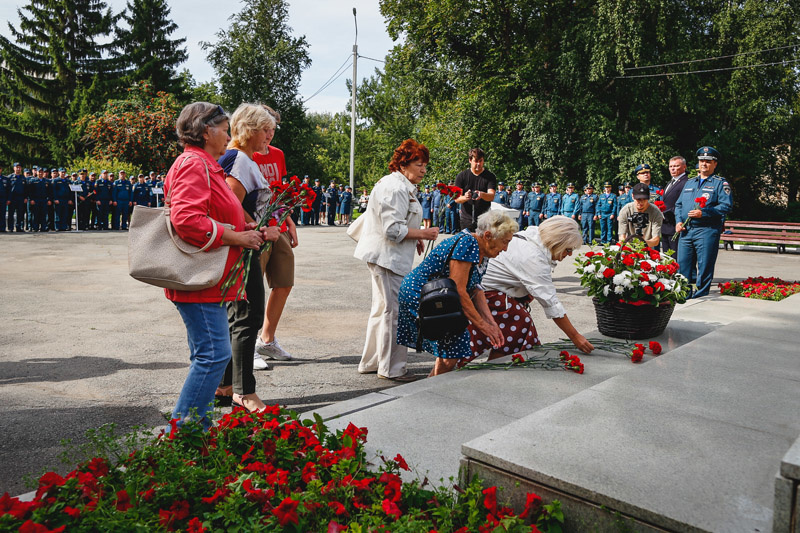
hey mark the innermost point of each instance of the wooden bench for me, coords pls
(780, 233)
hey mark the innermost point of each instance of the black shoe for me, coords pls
(405, 378)
(222, 401)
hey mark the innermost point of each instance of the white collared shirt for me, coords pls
(392, 209)
(526, 268)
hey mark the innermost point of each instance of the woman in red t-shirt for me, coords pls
(197, 193)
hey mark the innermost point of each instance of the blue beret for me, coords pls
(641, 168)
(708, 153)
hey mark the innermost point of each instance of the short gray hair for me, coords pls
(678, 158)
(193, 120)
(559, 233)
(497, 223)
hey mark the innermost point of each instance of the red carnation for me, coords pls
(490, 502)
(701, 202)
(648, 289)
(517, 358)
(655, 347)
(636, 356)
(628, 260)
(608, 273)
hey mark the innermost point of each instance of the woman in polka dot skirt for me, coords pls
(467, 265)
(521, 274)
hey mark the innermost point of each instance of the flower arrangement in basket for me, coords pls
(632, 274)
(285, 197)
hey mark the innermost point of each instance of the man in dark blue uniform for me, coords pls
(425, 201)
(699, 241)
(436, 209)
(141, 192)
(315, 205)
(534, 204)
(673, 189)
(62, 199)
(121, 196)
(587, 212)
(40, 196)
(606, 212)
(450, 211)
(643, 173)
(51, 207)
(4, 201)
(102, 192)
(569, 202)
(517, 201)
(331, 201)
(552, 202)
(501, 194)
(17, 198)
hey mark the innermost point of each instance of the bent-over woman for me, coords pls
(524, 273)
(466, 267)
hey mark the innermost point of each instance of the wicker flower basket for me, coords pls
(626, 321)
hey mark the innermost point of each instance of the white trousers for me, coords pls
(381, 351)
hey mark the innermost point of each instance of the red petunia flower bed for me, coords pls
(266, 471)
(760, 288)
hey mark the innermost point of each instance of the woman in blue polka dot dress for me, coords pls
(471, 252)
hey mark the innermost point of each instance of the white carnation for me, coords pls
(618, 289)
(588, 269)
(619, 279)
(606, 290)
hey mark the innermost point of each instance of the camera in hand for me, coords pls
(639, 221)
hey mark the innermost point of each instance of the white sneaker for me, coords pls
(258, 363)
(272, 350)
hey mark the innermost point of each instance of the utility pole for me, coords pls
(353, 109)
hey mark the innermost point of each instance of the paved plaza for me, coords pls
(82, 344)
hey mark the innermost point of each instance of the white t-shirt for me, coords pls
(258, 194)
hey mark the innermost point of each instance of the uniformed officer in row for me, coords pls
(699, 241)
(451, 208)
(40, 196)
(552, 202)
(643, 173)
(606, 213)
(4, 184)
(501, 194)
(102, 191)
(141, 192)
(331, 201)
(517, 201)
(534, 204)
(17, 198)
(121, 197)
(315, 206)
(587, 212)
(62, 200)
(51, 207)
(569, 202)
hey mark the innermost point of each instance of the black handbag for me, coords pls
(440, 314)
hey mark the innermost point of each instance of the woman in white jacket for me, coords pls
(521, 274)
(387, 237)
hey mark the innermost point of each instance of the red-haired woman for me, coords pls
(389, 234)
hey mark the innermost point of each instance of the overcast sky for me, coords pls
(327, 25)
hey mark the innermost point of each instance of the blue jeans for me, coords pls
(210, 351)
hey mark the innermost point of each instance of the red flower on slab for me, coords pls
(401, 463)
(531, 502)
(655, 347)
(636, 356)
(490, 501)
(517, 358)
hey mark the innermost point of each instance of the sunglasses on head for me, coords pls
(217, 112)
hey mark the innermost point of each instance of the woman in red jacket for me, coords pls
(199, 199)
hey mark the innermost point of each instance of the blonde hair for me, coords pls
(559, 233)
(246, 121)
(497, 223)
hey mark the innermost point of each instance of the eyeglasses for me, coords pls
(569, 251)
(218, 112)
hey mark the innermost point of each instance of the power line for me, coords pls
(707, 70)
(371, 58)
(713, 58)
(416, 68)
(333, 78)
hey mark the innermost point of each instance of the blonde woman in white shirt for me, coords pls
(389, 234)
(521, 274)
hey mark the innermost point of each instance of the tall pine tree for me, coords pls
(145, 47)
(54, 70)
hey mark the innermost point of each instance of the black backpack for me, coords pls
(439, 314)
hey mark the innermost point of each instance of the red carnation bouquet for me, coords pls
(699, 203)
(285, 197)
